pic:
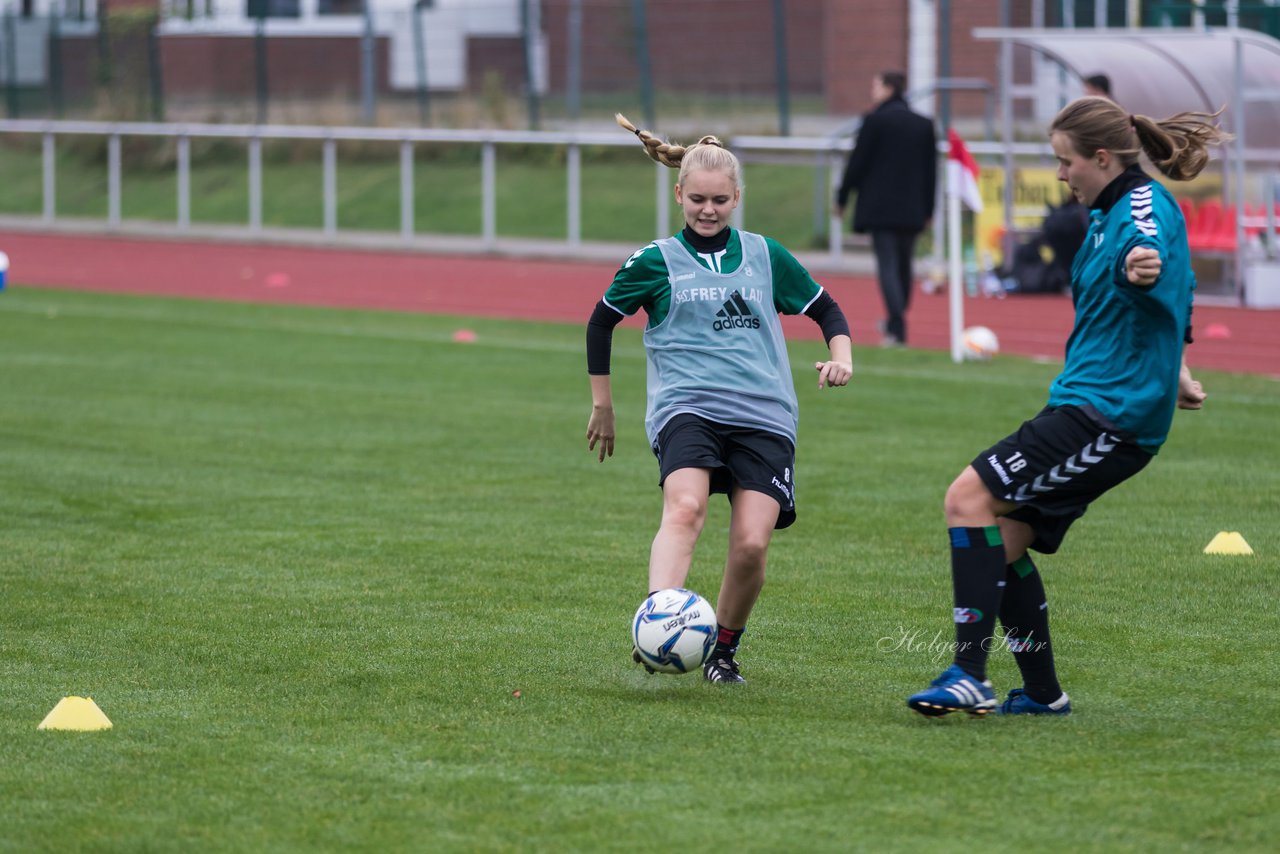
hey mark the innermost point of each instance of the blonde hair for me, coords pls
(707, 153)
(1178, 146)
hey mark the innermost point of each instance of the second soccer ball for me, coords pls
(980, 343)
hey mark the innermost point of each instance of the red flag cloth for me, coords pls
(962, 172)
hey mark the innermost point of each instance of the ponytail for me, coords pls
(707, 153)
(1177, 146)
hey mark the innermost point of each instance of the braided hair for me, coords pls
(707, 153)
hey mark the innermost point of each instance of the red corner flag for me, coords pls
(962, 172)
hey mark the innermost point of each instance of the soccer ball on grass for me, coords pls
(674, 630)
(980, 343)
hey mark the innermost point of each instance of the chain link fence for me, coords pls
(512, 64)
(746, 66)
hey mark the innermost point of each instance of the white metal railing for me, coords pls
(254, 136)
(329, 137)
(825, 154)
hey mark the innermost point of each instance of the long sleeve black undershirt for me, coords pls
(825, 312)
(600, 338)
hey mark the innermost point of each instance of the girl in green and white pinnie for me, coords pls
(722, 410)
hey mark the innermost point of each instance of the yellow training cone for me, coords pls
(76, 713)
(1228, 543)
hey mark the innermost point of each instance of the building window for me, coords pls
(273, 8)
(340, 7)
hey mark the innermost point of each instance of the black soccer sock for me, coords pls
(1025, 615)
(977, 580)
(726, 641)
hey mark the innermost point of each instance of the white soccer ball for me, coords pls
(980, 343)
(674, 630)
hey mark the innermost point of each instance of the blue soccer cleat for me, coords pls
(954, 691)
(1018, 703)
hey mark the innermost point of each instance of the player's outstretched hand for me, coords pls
(600, 431)
(833, 373)
(1191, 395)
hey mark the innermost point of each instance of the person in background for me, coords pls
(1098, 86)
(1109, 410)
(893, 168)
(722, 410)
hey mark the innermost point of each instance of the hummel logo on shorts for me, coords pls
(735, 314)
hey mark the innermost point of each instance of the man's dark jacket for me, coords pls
(893, 169)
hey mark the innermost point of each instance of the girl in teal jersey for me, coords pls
(1108, 412)
(722, 409)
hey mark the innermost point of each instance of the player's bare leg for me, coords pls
(685, 493)
(750, 530)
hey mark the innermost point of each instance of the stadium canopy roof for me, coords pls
(1160, 71)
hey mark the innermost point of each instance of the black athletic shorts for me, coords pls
(737, 456)
(1054, 466)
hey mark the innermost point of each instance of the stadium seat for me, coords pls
(1255, 220)
(1198, 223)
(1188, 213)
(1225, 238)
(1215, 228)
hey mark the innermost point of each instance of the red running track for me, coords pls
(1227, 339)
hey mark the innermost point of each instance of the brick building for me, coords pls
(709, 49)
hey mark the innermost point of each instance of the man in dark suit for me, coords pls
(894, 170)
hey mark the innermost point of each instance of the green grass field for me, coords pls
(305, 559)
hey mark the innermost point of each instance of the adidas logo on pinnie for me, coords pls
(735, 314)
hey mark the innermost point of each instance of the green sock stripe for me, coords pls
(987, 536)
(1023, 566)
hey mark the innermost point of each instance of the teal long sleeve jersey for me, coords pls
(1125, 350)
